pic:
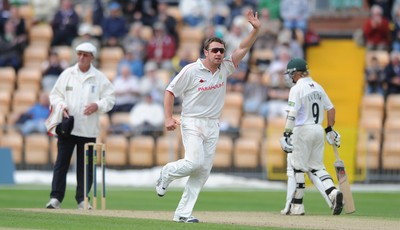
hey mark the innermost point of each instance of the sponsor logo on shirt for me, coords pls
(69, 88)
(212, 87)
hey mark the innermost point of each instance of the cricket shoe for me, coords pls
(336, 197)
(81, 206)
(296, 210)
(189, 220)
(53, 204)
(162, 183)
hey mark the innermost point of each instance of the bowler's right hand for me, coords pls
(171, 123)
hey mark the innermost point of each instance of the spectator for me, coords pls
(277, 97)
(272, 6)
(44, 10)
(18, 23)
(239, 30)
(377, 30)
(237, 8)
(392, 74)
(161, 48)
(183, 57)
(135, 64)
(374, 77)
(52, 67)
(275, 68)
(385, 5)
(396, 30)
(114, 26)
(34, 119)
(11, 46)
(195, 13)
(143, 11)
(287, 38)
(127, 91)
(97, 12)
(134, 42)
(255, 96)
(152, 84)
(142, 123)
(273, 24)
(65, 24)
(295, 14)
(220, 14)
(168, 21)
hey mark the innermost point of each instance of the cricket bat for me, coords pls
(344, 185)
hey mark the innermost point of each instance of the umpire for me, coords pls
(84, 93)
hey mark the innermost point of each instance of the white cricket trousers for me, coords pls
(308, 147)
(200, 137)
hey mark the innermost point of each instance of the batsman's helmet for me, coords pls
(296, 64)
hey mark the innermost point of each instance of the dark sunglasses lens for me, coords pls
(215, 50)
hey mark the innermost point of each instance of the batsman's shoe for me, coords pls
(336, 197)
(81, 206)
(285, 212)
(296, 210)
(53, 204)
(190, 219)
(162, 183)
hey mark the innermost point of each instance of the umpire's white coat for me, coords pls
(75, 90)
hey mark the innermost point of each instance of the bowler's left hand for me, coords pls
(253, 19)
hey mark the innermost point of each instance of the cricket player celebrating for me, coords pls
(303, 140)
(202, 86)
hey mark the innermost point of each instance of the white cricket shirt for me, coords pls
(310, 101)
(202, 92)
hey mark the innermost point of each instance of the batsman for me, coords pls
(303, 140)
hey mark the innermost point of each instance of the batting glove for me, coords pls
(332, 136)
(286, 142)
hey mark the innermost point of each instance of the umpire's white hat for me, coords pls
(87, 47)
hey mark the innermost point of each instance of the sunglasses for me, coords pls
(215, 50)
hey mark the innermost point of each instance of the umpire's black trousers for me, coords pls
(65, 148)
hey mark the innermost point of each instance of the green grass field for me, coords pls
(16, 202)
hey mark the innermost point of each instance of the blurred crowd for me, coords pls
(381, 37)
(159, 37)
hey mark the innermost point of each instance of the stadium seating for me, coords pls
(23, 99)
(5, 102)
(29, 78)
(64, 53)
(109, 57)
(246, 153)
(15, 142)
(391, 155)
(40, 35)
(167, 147)
(34, 56)
(368, 154)
(372, 105)
(392, 106)
(36, 149)
(141, 151)
(252, 126)
(8, 78)
(116, 150)
(224, 152)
